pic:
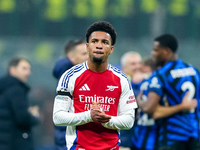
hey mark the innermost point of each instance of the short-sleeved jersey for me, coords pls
(171, 82)
(145, 131)
(112, 88)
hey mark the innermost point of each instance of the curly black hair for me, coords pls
(168, 40)
(102, 26)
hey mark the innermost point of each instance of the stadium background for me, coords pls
(39, 29)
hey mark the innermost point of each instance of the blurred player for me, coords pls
(144, 135)
(145, 131)
(167, 87)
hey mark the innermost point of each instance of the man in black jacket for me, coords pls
(16, 119)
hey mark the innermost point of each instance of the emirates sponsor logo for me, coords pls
(95, 98)
(105, 102)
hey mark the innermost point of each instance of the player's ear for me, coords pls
(12, 70)
(165, 50)
(168, 51)
(112, 49)
(87, 45)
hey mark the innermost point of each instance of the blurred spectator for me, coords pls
(148, 66)
(131, 66)
(75, 53)
(16, 119)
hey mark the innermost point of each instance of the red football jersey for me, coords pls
(114, 92)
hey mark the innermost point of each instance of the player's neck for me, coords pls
(173, 57)
(97, 67)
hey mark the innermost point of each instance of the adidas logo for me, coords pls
(84, 88)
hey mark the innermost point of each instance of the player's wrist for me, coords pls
(88, 116)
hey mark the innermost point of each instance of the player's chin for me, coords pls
(97, 59)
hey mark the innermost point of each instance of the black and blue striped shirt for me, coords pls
(173, 81)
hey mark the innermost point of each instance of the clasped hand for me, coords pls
(97, 113)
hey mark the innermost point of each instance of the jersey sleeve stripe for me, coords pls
(121, 73)
(68, 77)
(70, 73)
(85, 64)
(108, 66)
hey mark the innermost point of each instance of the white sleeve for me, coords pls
(125, 121)
(126, 109)
(61, 115)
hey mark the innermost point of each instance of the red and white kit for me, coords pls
(77, 89)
